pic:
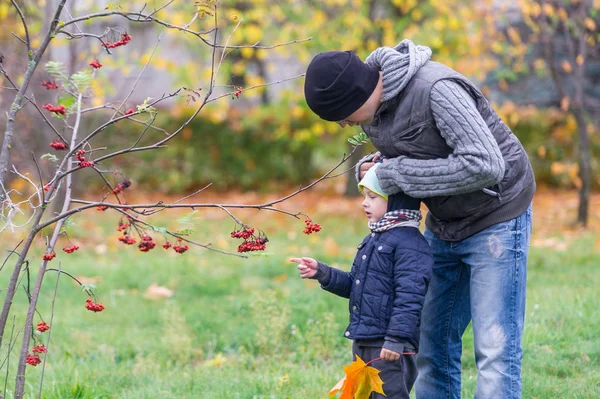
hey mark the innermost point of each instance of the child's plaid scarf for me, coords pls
(403, 217)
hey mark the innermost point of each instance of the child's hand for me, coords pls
(306, 266)
(387, 354)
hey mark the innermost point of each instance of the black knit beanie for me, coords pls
(400, 201)
(337, 84)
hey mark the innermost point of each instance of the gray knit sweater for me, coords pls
(476, 161)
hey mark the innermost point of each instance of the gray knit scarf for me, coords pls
(398, 65)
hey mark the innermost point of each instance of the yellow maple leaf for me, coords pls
(360, 380)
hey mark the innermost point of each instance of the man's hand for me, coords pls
(306, 266)
(387, 354)
(367, 165)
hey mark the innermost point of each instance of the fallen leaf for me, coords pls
(360, 380)
(155, 291)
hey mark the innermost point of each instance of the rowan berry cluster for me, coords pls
(71, 249)
(33, 360)
(125, 38)
(39, 349)
(95, 64)
(237, 93)
(123, 226)
(146, 244)
(167, 245)
(49, 85)
(83, 163)
(311, 227)
(59, 145)
(121, 186)
(257, 244)
(126, 239)
(48, 256)
(244, 232)
(92, 306)
(59, 109)
(251, 242)
(179, 248)
(42, 326)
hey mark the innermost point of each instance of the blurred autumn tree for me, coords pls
(458, 32)
(558, 40)
(276, 136)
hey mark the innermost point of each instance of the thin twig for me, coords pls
(139, 76)
(257, 86)
(10, 252)
(51, 322)
(28, 42)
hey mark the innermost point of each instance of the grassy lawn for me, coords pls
(251, 328)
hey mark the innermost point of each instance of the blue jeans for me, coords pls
(481, 278)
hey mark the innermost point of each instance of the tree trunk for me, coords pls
(585, 172)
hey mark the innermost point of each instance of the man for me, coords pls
(441, 141)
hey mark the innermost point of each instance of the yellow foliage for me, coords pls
(247, 52)
(513, 34)
(566, 66)
(297, 112)
(562, 14)
(548, 9)
(179, 18)
(253, 33)
(3, 10)
(318, 129)
(590, 24)
(579, 60)
(439, 24)
(417, 15)
(454, 23)
(541, 151)
(536, 10)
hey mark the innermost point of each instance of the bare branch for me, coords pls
(265, 206)
(141, 18)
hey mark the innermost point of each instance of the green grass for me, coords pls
(251, 328)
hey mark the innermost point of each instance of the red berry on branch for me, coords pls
(102, 208)
(33, 360)
(180, 248)
(95, 64)
(92, 306)
(311, 227)
(125, 239)
(59, 145)
(39, 349)
(42, 326)
(71, 249)
(129, 111)
(48, 257)
(49, 85)
(147, 244)
(167, 245)
(59, 109)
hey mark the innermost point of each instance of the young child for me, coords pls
(386, 286)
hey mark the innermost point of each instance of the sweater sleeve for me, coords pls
(475, 162)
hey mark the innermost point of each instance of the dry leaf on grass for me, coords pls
(155, 291)
(88, 280)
